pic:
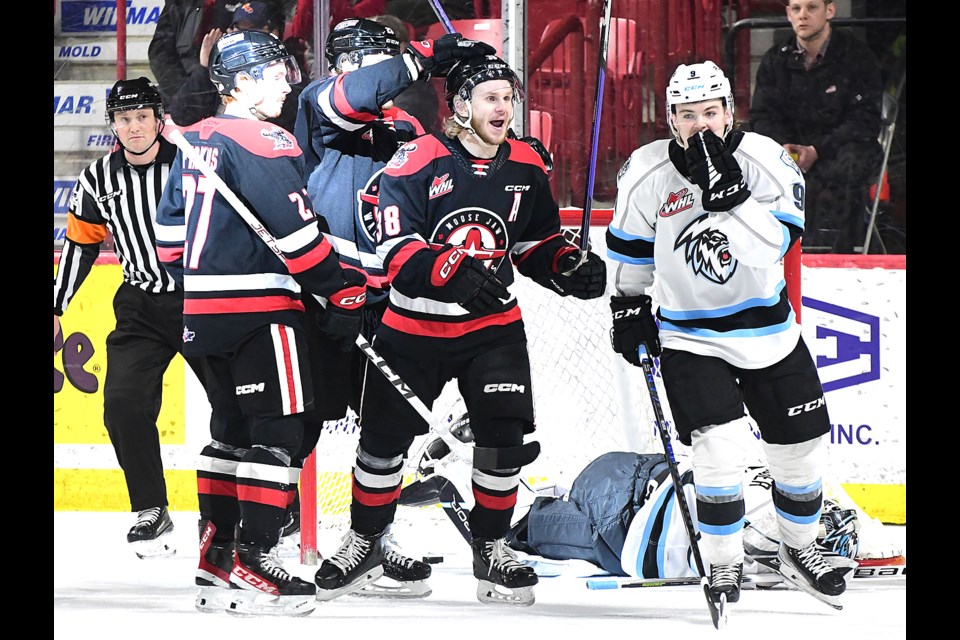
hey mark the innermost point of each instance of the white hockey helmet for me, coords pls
(696, 83)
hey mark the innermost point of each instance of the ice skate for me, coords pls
(403, 577)
(150, 536)
(264, 587)
(213, 573)
(357, 563)
(725, 582)
(289, 545)
(503, 578)
(807, 570)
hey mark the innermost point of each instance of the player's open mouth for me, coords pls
(497, 123)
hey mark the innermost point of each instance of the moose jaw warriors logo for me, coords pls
(280, 139)
(479, 232)
(368, 199)
(706, 250)
(676, 202)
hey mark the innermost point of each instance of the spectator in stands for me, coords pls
(818, 94)
(420, 14)
(198, 98)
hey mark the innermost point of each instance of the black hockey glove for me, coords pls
(714, 169)
(470, 283)
(342, 318)
(586, 282)
(633, 325)
(537, 146)
(437, 57)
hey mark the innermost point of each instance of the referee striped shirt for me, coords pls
(113, 195)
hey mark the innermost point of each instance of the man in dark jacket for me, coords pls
(818, 94)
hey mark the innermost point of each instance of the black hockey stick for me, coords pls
(594, 134)
(717, 613)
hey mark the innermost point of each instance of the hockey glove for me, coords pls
(714, 169)
(437, 57)
(342, 318)
(586, 281)
(470, 283)
(633, 325)
(537, 146)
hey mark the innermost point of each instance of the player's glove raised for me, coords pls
(537, 146)
(437, 57)
(713, 168)
(633, 325)
(342, 318)
(470, 283)
(586, 281)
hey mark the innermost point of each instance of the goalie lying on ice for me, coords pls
(620, 515)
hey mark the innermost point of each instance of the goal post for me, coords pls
(587, 400)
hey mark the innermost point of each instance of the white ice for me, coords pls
(102, 590)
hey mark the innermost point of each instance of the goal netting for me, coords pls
(588, 400)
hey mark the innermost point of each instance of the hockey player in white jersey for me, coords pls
(713, 211)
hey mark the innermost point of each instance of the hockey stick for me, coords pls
(595, 133)
(441, 15)
(717, 613)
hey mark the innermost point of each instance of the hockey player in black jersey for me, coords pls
(244, 316)
(458, 211)
(713, 211)
(348, 128)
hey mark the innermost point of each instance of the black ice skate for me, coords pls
(807, 570)
(725, 582)
(213, 573)
(503, 578)
(264, 587)
(357, 563)
(150, 536)
(403, 577)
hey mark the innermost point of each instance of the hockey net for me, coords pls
(588, 400)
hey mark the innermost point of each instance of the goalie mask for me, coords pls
(354, 38)
(698, 83)
(839, 530)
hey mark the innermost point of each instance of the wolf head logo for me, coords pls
(707, 250)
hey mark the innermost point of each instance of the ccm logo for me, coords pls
(806, 407)
(357, 300)
(517, 187)
(728, 191)
(447, 267)
(625, 313)
(503, 386)
(245, 389)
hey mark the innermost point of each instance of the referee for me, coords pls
(119, 193)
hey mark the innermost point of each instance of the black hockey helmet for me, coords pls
(137, 93)
(357, 37)
(468, 73)
(249, 52)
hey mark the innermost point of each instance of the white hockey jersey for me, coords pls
(719, 276)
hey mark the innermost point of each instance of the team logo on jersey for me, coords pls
(787, 159)
(400, 157)
(368, 199)
(623, 169)
(440, 186)
(281, 140)
(188, 335)
(707, 250)
(479, 232)
(676, 202)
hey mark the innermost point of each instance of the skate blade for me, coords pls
(151, 549)
(388, 588)
(489, 593)
(721, 619)
(213, 599)
(325, 595)
(796, 580)
(251, 603)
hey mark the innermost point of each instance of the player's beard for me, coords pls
(482, 132)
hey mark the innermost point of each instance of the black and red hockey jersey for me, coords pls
(434, 195)
(233, 281)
